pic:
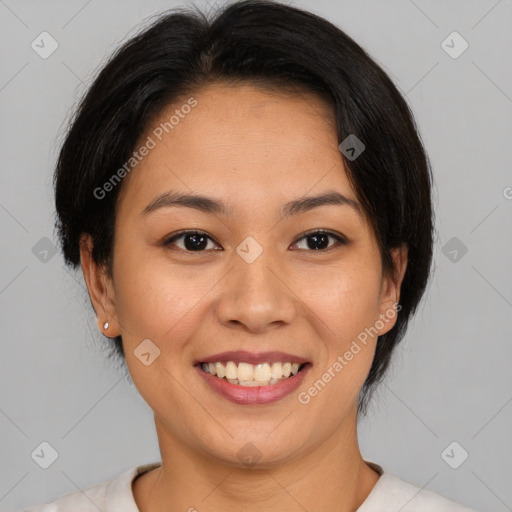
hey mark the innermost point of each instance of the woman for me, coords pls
(250, 203)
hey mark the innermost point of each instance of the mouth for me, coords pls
(252, 375)
(246, 378)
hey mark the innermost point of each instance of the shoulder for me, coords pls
(110, 496)
(90, 499)
(391, 493)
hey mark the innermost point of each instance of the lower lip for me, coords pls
(244, 395)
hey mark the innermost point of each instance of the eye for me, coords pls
(194, 241)
(197, 241)
(318, 240)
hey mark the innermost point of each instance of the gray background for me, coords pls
(451, 379)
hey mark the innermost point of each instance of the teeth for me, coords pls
(248, 383)
(220, 370)
(249, 375)
(262, 373)
(276, 370)
(231, 370)
(245, 372)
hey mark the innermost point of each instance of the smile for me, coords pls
(251, 375)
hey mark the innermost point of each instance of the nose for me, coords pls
(256, 296)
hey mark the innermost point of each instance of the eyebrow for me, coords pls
(213, 206)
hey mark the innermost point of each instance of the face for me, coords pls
(261, 275)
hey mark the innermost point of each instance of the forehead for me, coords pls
(240, 142)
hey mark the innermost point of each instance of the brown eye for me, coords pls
(193, 241)
(319, 240)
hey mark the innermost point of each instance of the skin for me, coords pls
(292, 298)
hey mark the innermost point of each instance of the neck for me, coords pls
(332, 476)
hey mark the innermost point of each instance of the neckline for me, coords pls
(120, 497)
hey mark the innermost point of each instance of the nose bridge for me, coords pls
(255, 294)
(255, 268)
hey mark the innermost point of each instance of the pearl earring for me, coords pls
(105, 325)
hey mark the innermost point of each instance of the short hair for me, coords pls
(277, 47)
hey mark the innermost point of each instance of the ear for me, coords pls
(100, 287)
(390, 290)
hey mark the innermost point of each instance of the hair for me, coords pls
(277, 47)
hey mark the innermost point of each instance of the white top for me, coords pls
(390, 494)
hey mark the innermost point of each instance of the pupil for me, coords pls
(195, 245)
(323, 237)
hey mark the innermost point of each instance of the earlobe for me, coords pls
(100, 288)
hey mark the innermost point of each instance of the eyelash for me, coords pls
(339, 238)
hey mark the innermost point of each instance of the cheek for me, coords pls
(162, 301)
(158, 301)
(345, 297)
(347, 303)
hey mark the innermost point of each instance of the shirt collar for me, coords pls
(119, 495)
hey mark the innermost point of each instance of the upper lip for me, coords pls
(242, 356)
